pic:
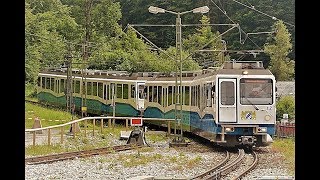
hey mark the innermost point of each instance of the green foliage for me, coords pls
(280, 65)
(204, 38)
(286, 105)
(287, 148)
(32, 111)
(38, 150)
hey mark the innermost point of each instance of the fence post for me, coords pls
(49, 136)
(94, 124)
(85, 128)
(62, 134)
(101, 125)
(169, 129)
(34, 138)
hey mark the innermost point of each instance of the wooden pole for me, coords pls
(34, 138)
(85, 128)
(49, 136)
(109, 123)
(169, 129)
(62, 133)
(94, 124)
(74, 130)
(101, 126)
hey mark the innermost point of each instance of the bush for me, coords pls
(286, 105)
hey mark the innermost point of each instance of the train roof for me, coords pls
(229, 67)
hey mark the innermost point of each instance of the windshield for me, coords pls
(256, 91)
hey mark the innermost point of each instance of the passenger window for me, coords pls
(227, 93)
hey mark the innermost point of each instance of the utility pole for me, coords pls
(69, 95)
(88, 5)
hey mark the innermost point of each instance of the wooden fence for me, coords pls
(110, 119)
(284, 130)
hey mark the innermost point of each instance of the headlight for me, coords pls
(267, 117)
(229, 129)
(261, 129)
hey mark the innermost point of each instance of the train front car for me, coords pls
(245, 104)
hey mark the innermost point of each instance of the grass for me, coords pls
(39, 150)
(32, 111)
(286, 146)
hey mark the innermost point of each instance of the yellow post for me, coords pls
(94, 124)
(101, 125)
(61, 131)
(49, 136)
(34, 138)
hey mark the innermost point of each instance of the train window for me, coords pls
(125, 91)
(108, 92)
(198, 95)
(105, 92)
(209, 94)
(77, 87)
(170, 94)
(132, 91)
(100, 89)
(94, 88)
(62, 85)
(119, 91)
(145, 92)
(89, 88)
(150, 94)
(256, 91)
(192, 96)
(52, 84)
(154, 94)
(160, 95)
(227, 93)
(43, 82)
(187, 95)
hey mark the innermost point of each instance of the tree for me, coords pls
(278, 49)
(286, 105)
(203, 36)
(47, 26)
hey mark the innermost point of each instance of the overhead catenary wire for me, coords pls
(240, 29)
(253, 8)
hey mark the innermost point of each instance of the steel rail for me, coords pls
(251, 167)
(78, 154)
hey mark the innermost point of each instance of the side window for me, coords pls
(170, 95)
(94, 88)
(43, 82)
(100, 87)
(119, 91)
(133, 91)
(187, 95)
(125, 91)
(89, 88)
(208, 91)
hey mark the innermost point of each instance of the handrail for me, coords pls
(98, 117)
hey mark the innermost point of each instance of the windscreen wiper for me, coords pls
(255, 107)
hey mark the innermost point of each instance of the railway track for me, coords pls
(227, 166)
(78, 154)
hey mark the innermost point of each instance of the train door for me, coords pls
(140, 95)
(227, 110)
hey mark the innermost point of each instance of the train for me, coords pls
(232, 105)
